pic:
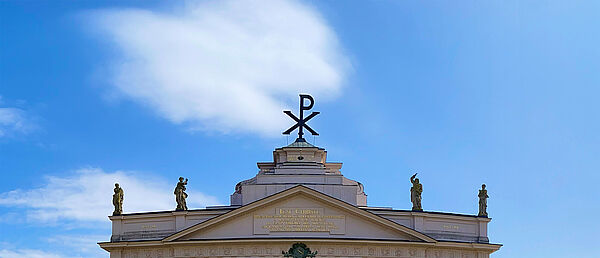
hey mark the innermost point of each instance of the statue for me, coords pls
(415, 193)
(180, 195)
(483, 201)
(118, 200)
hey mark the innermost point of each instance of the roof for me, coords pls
(301, 143)
(301, 190)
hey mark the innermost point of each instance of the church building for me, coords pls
(299, 205)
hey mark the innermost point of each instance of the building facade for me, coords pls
(299, 205)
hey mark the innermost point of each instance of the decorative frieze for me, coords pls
(274, 250)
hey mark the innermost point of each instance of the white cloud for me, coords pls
(227, 66)
(14, 120)
(85, 245)
(59, 246)
(29, 253)
(87, 196)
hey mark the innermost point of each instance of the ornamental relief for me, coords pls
(321, 250)
(148, 253)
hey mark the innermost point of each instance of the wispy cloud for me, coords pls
(59, 246)
(224, 66)
(14, 121)
(29, 253)
(86, 195)
(85, 245)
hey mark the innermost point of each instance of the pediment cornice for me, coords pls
(305, 192)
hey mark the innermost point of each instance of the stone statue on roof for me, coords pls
(118, 200)
(180, 195)
(415, 193)
(483, 201)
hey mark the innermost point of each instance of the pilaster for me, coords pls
(117, 227)
(482, 237)
(418, 221)
(180, 219)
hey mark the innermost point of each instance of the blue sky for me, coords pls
(497, 92)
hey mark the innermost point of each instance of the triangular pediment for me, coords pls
(299, 212)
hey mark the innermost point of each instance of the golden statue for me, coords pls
(118, 200)
(483, 201)
(180, 195)
(415, 193)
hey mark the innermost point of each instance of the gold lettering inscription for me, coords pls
(298, 211)
(148, 226)
(450, 227)
(299, 220)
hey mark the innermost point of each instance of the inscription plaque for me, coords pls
(450, 227)
(299, 220)
(149, 227)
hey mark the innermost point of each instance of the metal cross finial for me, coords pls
(301, 122)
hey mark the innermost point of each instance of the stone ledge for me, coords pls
(458, 237)
(142, 235)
